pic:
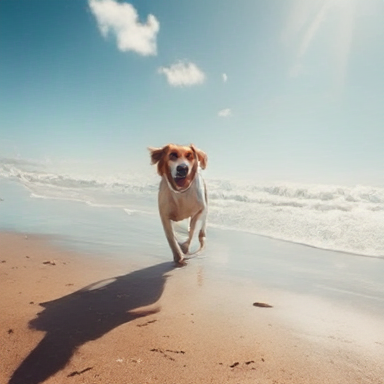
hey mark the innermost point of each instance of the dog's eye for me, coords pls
(173, 155)
(188, 155)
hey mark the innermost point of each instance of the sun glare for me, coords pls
(308, 21)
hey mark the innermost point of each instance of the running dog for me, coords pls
(182, 193)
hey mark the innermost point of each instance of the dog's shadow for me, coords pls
(88, 314)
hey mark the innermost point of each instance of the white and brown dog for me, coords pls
(182, 192)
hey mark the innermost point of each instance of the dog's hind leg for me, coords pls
(184, 247)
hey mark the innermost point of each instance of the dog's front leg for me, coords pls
(168, 229)
(203, 227)
(192, 226)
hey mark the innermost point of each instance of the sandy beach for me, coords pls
(71, 317)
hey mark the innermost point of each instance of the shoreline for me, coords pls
(102, 320)
(81, 204)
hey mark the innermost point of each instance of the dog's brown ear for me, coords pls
(156, 154)
(157, 157)
(201, 156)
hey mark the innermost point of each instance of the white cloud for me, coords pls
(225, 112)
(225, 77)
(183, 74)
(121, 19)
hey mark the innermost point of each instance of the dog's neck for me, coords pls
(172, 189)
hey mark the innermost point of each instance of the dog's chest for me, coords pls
(180, 206)
(184, 208)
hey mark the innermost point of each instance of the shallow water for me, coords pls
(279, 265)
(341, 218)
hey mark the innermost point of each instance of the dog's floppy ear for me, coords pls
(157, 157)
(201, 156)
(156, 154)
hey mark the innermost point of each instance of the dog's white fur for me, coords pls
(181, 198)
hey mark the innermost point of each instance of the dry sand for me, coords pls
(71, 318)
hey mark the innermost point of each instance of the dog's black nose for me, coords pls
(181, 170)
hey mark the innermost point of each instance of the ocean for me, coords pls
(333, 217)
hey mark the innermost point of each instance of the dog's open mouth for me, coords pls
(180, 181)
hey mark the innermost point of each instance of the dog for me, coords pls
(182, 193)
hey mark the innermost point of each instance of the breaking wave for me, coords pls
(340, 218)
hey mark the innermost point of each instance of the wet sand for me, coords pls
(75, 318)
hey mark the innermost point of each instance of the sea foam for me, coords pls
(340, 218)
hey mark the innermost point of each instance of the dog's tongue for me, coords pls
(180, 181)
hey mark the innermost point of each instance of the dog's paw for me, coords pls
(180, 263)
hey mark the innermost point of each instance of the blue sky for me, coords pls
(277, 89)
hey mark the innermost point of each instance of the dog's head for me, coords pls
(178, 164)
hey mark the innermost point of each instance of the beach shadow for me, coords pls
(88, 314)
